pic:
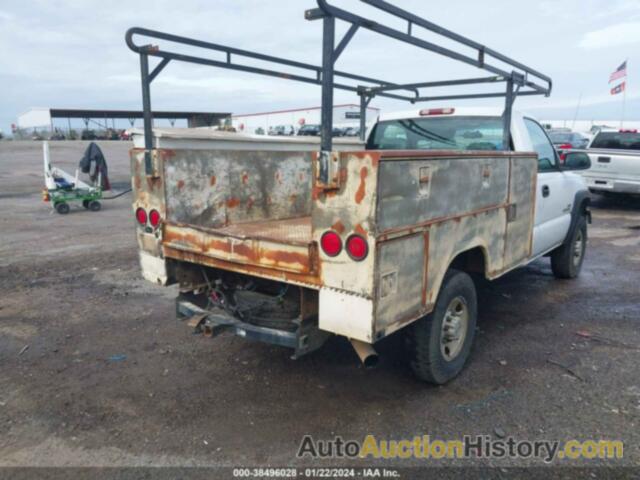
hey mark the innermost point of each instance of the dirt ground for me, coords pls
(96, 371)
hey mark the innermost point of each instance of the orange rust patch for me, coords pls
(180, 184)
(154, 183)
(245, 178)
(359, 230)
(212, 180)
(375, 159)
(279, 256)
(361, 189)
(219, 245)
(343, 175)
(166, 153)
(338, 227)
(233, 202)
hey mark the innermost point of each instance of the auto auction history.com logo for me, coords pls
(477, 446)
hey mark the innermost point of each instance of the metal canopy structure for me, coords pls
(519, 79)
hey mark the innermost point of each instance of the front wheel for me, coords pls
(94, 205)
(566, 260)
(440, 343)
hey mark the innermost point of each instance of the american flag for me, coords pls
(618, 89)
(620, 72)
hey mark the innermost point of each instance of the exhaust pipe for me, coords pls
(365, 352)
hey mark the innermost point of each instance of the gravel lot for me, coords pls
(96, 371)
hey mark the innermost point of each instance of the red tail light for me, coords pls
(437, 111)
(154, 218)
(331, 243)
(141, 216)
(565, 146)
(357, 247)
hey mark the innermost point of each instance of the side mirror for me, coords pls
(576, 161)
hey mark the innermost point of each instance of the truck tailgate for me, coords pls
(278, 244)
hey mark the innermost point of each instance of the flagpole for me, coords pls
(575, 115)
(624, 94)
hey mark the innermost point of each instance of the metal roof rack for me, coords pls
(521, 80)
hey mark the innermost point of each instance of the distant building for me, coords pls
(346, 115)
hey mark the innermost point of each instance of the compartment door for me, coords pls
(521, 210)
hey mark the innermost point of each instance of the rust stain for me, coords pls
(375, 160)
(154, 183)
(180, 184)
(212, 180)
(338, 227)
(260, 271)
(279, 256)
(361, 189)
(166, 153)
(233, 202)
(359, 230)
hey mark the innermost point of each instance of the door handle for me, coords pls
(545, 190)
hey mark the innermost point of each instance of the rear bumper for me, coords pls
(304, 339)
(608, 184)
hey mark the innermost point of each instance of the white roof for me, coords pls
(458, 111)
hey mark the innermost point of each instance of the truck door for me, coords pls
(553, 193)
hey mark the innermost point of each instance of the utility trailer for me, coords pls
(290, 240)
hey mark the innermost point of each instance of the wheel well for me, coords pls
(470, 261)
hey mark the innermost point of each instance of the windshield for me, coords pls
(617, 140)
(561, 137)
(438, 133)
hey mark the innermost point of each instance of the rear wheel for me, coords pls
(94, 205)
(440, 343)
(566, 260)
(62, 208)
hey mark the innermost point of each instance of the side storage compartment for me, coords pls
(473, 210)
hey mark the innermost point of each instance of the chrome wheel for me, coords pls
(454, 328)
(578, 249)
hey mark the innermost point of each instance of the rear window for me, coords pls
(438, 133)
(617, 140)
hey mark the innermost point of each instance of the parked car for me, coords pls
(282, 130)
(615, 162)
(88, 135)
(352, 132)
(309, 130)
(565, 141)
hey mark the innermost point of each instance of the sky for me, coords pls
(72, 54)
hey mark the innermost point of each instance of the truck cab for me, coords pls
(558, 188)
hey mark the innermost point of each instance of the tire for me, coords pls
(431, 359)
(566, 260)
(94, 205)
(62, 208)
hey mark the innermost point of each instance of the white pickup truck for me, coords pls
(261, 248)
(289, 240)
(615, 162)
